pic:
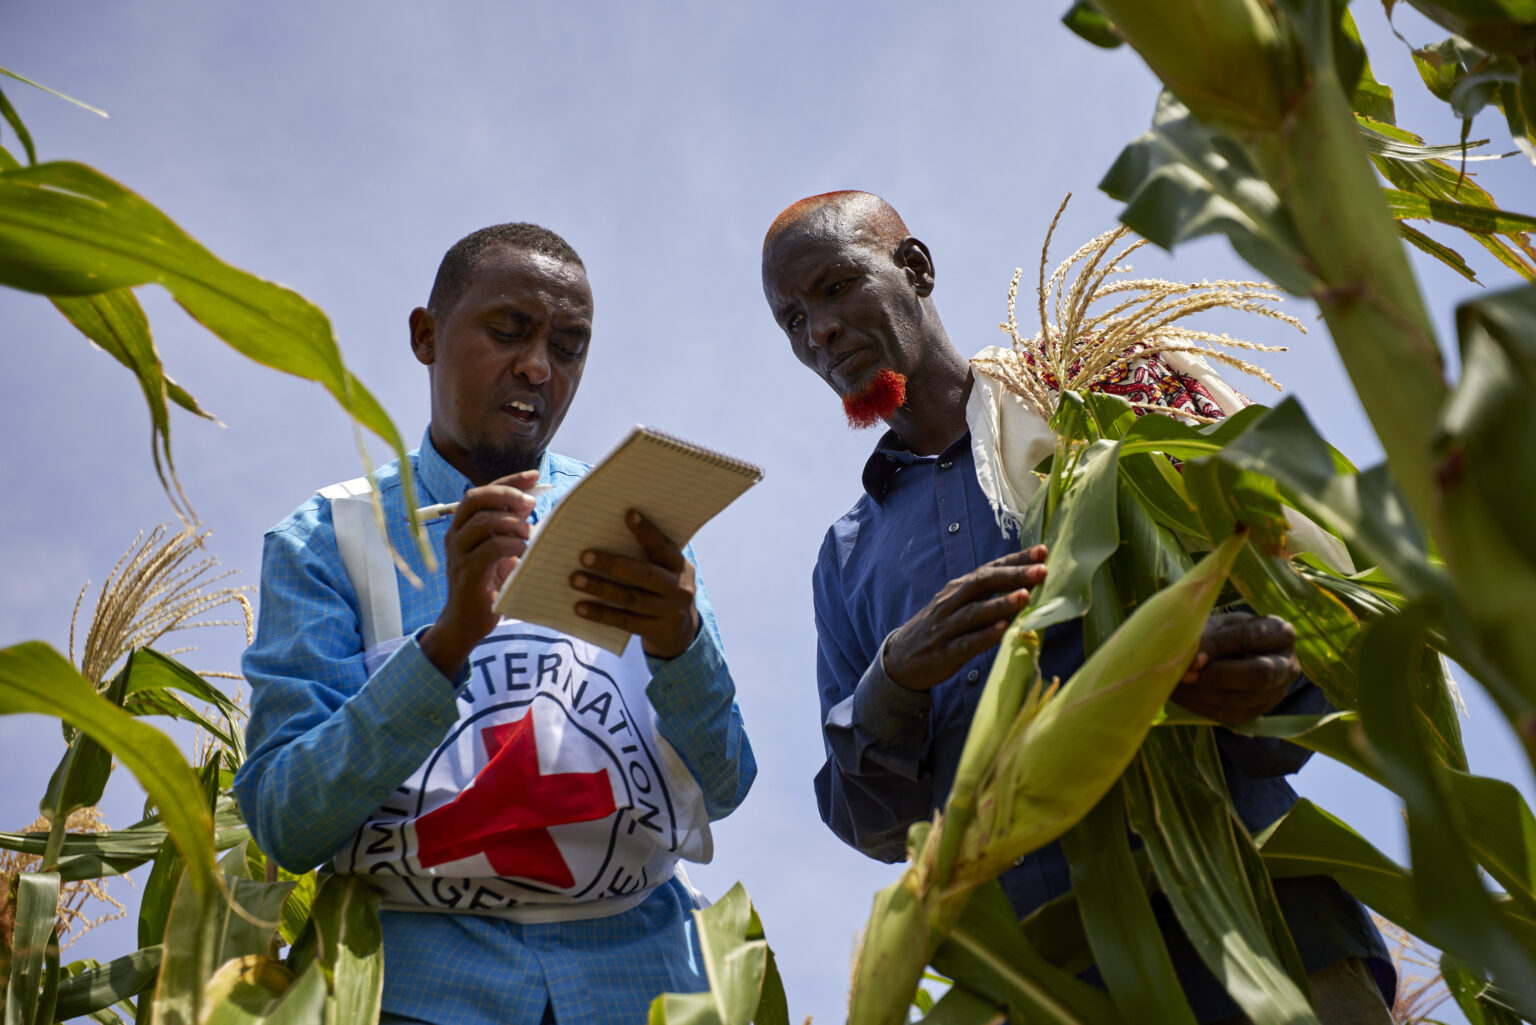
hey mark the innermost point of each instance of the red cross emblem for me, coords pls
(504, 813)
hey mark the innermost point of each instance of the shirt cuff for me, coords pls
(895, 716)
(676, 683)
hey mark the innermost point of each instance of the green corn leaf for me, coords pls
(1499, 826)
(67, 230)
(246, 990)
(986, 953)
(1151, 556)
(1127, 943)
(34, 678)
(1502, 831)
(165, 877)
(1364, 509)
(1081, 536)
(102, 985)
(18, 126)
(202, 933)
(1085, 20)
(8, 73)
(1309, 841)
(1225, 496)
(744, 984)
(94, 855)
(350, 947)
(253, 990)
(297, 908)
(115, 322)
(1444, 253)
(81, 776)
(1490, 419)
(1184, 179)
(1449, 892)
(32, 986)
(153, 676)
(773, 1004)
(960, 1006)
(1179, 806)
(1476, 219)
(1380, 141)
(1371, 98)
(1482, 1002)
(1164, 434)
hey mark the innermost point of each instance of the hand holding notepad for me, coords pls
(677, 485)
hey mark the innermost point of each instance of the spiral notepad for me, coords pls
(678, 485)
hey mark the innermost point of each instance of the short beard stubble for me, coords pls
(876, 401)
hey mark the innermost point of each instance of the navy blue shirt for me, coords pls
(892, 752)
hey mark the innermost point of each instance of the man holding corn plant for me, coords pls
(519, 797)
(914, 587)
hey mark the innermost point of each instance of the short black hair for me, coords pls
(460, 261)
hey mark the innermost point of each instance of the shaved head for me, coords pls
(863, 215)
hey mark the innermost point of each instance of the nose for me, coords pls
(823, 330)
(531, 361)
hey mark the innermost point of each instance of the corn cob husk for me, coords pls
(1057, 752)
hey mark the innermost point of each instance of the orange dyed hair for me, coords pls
(864, 212)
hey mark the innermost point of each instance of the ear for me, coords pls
(912, 257)
(424, 336)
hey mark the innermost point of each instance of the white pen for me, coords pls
(444, 510)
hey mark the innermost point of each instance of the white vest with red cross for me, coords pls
(553, 796)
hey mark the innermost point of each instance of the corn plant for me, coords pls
(1272, 131)
(223, 934)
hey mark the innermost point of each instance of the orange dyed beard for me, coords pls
(879, 400)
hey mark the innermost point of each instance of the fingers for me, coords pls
(1256, 674)
(1237, 690)
(637, 573)
(993, 578)
(1239, 634)
(653, 542)
(633, 622)
(634, 599)
(522, 480)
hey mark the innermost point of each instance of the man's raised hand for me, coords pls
(488, 534)
(1245, 665)
(966, 617)
(652, 597)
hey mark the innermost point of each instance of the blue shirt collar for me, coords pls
(892, 453)
(441, 481)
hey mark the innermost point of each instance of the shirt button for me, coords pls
(954, 528)
(946, 464)
(973, 675)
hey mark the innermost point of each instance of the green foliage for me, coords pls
(1117, 917)
(73, 234)
(743, 976)
(210, 935)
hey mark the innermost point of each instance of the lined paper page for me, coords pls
(679, 487)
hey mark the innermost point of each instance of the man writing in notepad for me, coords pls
(520, 798)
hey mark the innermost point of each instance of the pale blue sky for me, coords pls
(340, 148)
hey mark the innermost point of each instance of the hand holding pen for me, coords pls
(489, 532)
(445, 510)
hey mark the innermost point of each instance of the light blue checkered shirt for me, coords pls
(328, 743)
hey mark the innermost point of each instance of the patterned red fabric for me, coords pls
(1148, 379)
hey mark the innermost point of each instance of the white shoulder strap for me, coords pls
(365, 556)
